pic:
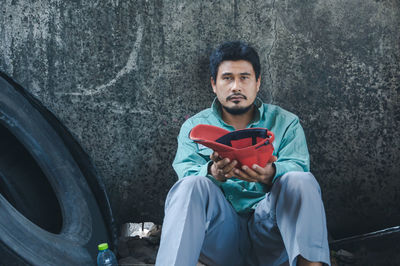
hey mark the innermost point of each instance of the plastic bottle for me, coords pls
(106, 257)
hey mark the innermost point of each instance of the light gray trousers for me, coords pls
(200, 223)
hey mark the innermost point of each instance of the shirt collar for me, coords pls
(217, 110)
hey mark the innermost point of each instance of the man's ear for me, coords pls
(258, 83)
(213, 85)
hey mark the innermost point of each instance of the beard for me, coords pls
(238, 110)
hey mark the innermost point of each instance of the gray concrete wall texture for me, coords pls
(124, 75)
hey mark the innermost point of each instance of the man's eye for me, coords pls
(226, 78)
(244, 77)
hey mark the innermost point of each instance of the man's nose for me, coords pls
(236, 86)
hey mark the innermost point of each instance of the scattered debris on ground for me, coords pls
(139, 242)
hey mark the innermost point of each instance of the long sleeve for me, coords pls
(292, 152)
(189, 159)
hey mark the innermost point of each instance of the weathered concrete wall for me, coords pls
(124, 75)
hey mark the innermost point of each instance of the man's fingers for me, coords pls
(251, 172)
(273, 159)
(265, 174)
(244, 176)
(225, 167)
(215, 156)
(258, 169)
(229, 169)
(222, 163)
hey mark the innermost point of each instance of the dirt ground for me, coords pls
(139, 243)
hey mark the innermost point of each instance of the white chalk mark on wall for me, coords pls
(129, 67)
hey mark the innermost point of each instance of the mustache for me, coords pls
(236, 95)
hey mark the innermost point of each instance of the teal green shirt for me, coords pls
(289, 146)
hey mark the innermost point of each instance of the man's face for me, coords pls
(236, 86)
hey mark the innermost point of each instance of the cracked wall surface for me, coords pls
(124, 75)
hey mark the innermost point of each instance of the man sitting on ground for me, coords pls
(221, 214)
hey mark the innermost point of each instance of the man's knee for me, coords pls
(187, 185)
(299, 182)
(191, 191)
(193, 181)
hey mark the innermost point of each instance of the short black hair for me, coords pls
(234, 50)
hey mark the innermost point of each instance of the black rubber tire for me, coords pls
(55, 177)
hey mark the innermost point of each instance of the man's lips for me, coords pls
(236, 97)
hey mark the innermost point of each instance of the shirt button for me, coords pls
(230, 197)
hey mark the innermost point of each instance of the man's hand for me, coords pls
(221, 169)
(257, 173)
